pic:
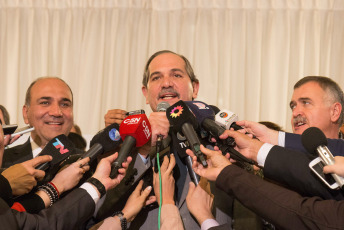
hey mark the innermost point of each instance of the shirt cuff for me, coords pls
(263, 153)
(209, 223)
(145, 160)
(91, 190)
(281, 138)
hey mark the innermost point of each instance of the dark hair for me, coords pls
(330, 87)
(271, 125)
(188, 67)
(5, 114)
(28, 91)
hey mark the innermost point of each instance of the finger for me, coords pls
(216, 148)
(39, 174)
(171, 164)
(40, 159)
(111, 158)
(191, 189)
(16, 137)
(146, 192)
(328, 169)
(138, 188)
(164, 164)
(82, 162)
(206, 151)
(150, 200)
(190, 153)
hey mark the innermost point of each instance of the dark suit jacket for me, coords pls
(17, 154)
(282, 207)
(68, 213)
(293, 141)
(290, 168)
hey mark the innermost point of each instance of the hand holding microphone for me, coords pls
(315, 142)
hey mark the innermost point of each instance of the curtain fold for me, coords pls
(246, 54)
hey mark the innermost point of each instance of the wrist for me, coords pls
(98, 185)
(122, 219)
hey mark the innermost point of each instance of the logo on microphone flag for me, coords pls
(59, 145)
(176, 111)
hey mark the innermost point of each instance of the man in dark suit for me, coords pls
(280, 206)
(49, 109)
(169, 77)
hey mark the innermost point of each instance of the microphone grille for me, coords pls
(162, 106)
(312, 138)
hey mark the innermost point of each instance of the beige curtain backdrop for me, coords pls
(247, 53)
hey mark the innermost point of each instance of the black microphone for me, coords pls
(205, 117)
(60, 148)
(314, 141)
(135, 130)
(182, 119)
(106, 140)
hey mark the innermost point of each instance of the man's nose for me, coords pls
(55, 110)
(297, 111)
(167, 81)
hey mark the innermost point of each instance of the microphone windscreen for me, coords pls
(137, 126)
(162, 106)
(201, 110)
(59, 148)
(312, 138)
(108, 137)
(179, 114)
(214, 108)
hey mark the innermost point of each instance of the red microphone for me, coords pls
(135, 130)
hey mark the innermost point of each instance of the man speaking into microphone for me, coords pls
(169, 77)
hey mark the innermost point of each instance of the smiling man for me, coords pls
(317, 102)
(49, 109)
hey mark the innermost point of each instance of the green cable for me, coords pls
(160, 189)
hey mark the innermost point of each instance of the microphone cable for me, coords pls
(160, 189)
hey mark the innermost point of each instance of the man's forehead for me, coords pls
(50, 88)
(167, 60)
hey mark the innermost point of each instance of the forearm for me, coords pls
(282, 207)
(170, 218)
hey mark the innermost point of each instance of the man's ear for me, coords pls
(25, 114)
(336, 111)
(195, 87)
(145, 93)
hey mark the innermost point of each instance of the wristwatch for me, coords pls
(123, 220)
(100, 187)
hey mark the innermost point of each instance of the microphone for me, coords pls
(227, 119)
(161, 107)
(106, 140)
(314, 141)
(135, 130)
(205, 117)
(60, 148)
(182, 119)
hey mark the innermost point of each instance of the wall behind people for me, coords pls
(246, 54)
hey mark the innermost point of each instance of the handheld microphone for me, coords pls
(314, 141)
(227, 119)
(135, 130)
(161, 107)
(104, 141)
(205, 117)
(182, 119)
(60, 148)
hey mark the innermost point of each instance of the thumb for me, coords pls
(191, 188)
(146, 192)
(328, 169)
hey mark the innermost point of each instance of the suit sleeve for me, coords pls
(282, 207)
(293, 141)
(291, 169)
(68, 213)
